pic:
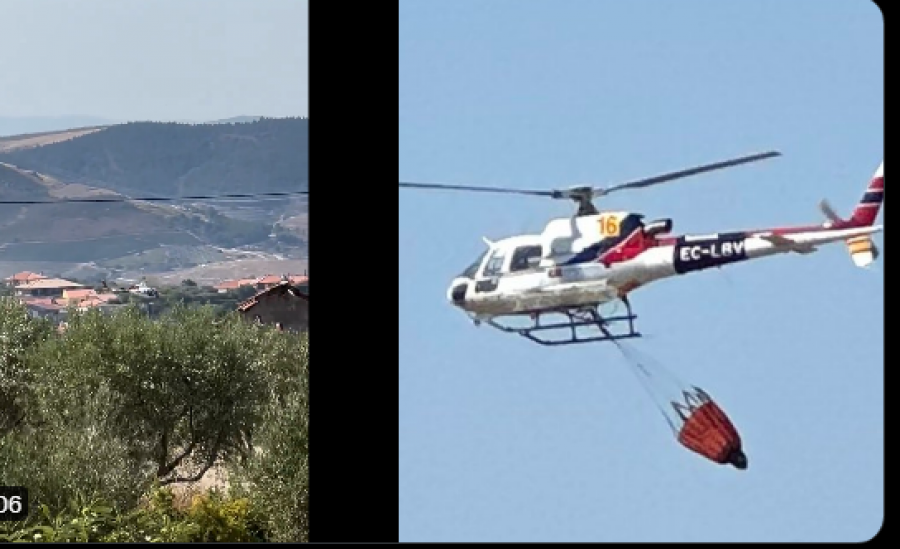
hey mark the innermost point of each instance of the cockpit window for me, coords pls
(524, 258)
(495, 263)
(472, 269)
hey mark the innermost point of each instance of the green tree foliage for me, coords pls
(185, 382)
(188, 295)
(118, 404)
(276, 479)
(209, 517)
(18, 334)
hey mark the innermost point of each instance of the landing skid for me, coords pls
(576, 318)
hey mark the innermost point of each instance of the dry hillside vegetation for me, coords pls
(27, 141)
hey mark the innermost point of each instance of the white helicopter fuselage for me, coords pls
(595, 257)
(552, 284)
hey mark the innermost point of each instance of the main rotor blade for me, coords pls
(440, 186)
(640, 183)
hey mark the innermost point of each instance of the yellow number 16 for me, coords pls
(609, 226)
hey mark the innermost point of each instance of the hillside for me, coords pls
(18, 125)
(153, 159)
(235, 120)
(81, 233)
(31, 140)
(171, 159)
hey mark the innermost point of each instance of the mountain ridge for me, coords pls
(154, 159)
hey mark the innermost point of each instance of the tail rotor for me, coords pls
(863, 251)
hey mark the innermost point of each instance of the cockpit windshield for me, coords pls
(472, 269)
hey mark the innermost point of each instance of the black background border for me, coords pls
(354, 478)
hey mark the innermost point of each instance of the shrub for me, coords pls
(19, 333)
(276, 477)
(118, 404)
(210, 517)
(88, 523)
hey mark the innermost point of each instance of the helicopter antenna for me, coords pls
(584, 196)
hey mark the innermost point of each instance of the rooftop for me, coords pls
(268, 279)
(25, 276)
(49, 283)
(80, 294)
(281, 287)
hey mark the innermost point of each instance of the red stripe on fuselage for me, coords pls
(669, 241)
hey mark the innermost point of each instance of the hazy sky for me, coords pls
(160, 59)
(503, 440)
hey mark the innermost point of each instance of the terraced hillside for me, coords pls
(86, 232)
(153, 159)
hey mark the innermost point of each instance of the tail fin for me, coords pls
(867, 210)
(862, 250)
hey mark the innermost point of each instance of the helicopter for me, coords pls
(142, 290)
(593, 259)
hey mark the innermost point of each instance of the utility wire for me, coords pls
(153, 199)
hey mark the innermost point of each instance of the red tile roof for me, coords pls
(79, 294)
(46, 304)
(282, 286)
(92, 302)
(25, 276)
(228, 285)
(48, 284)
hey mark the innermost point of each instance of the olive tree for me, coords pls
(182, 391)
(276, 477)
(19, 334)
(58, 463)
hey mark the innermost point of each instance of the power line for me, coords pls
(257, 196)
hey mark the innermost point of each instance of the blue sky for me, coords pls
(503, 440)
(159, 60)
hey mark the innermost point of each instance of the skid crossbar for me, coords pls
(577, 318)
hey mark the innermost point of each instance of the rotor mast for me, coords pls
(583, 198)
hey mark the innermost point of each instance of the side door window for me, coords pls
(525, 258)
(495, 264)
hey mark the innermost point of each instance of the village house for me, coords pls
(227, 285)
(282, 303)
(23, 278)
(45, 307)
(46, 287)
(104, 303)
(298, 280)
(87, 297)
(267, 281)
(73, 297)
(230, 285)
(260, 283)
(56, 307)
